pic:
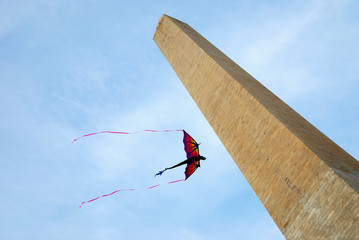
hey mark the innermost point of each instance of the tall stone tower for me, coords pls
(307, 183)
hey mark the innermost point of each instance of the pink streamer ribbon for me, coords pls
(121, 190)
(90, 134)
(151, 187)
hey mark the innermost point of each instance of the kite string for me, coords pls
(131, 189)
(147, 130)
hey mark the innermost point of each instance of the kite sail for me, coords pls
(190, 147)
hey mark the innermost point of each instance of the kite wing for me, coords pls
(191, 167)
(190, 146)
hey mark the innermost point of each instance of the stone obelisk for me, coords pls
(307, 183)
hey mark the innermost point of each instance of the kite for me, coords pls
(190, 147)
(193, 157)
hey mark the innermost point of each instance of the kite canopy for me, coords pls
(193, 157)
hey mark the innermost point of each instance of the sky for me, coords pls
(68, 68)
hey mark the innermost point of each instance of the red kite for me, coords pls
(193, 157)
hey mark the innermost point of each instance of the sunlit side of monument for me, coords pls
(307, 183)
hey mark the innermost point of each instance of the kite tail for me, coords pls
(131, 189)
(147, 130)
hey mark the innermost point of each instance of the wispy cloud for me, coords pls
(15, 14)
(98, 69)
(274, 48)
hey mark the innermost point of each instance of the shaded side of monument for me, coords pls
(307, 183)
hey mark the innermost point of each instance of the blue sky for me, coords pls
(72, 67)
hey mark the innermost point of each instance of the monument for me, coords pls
(307, 183)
